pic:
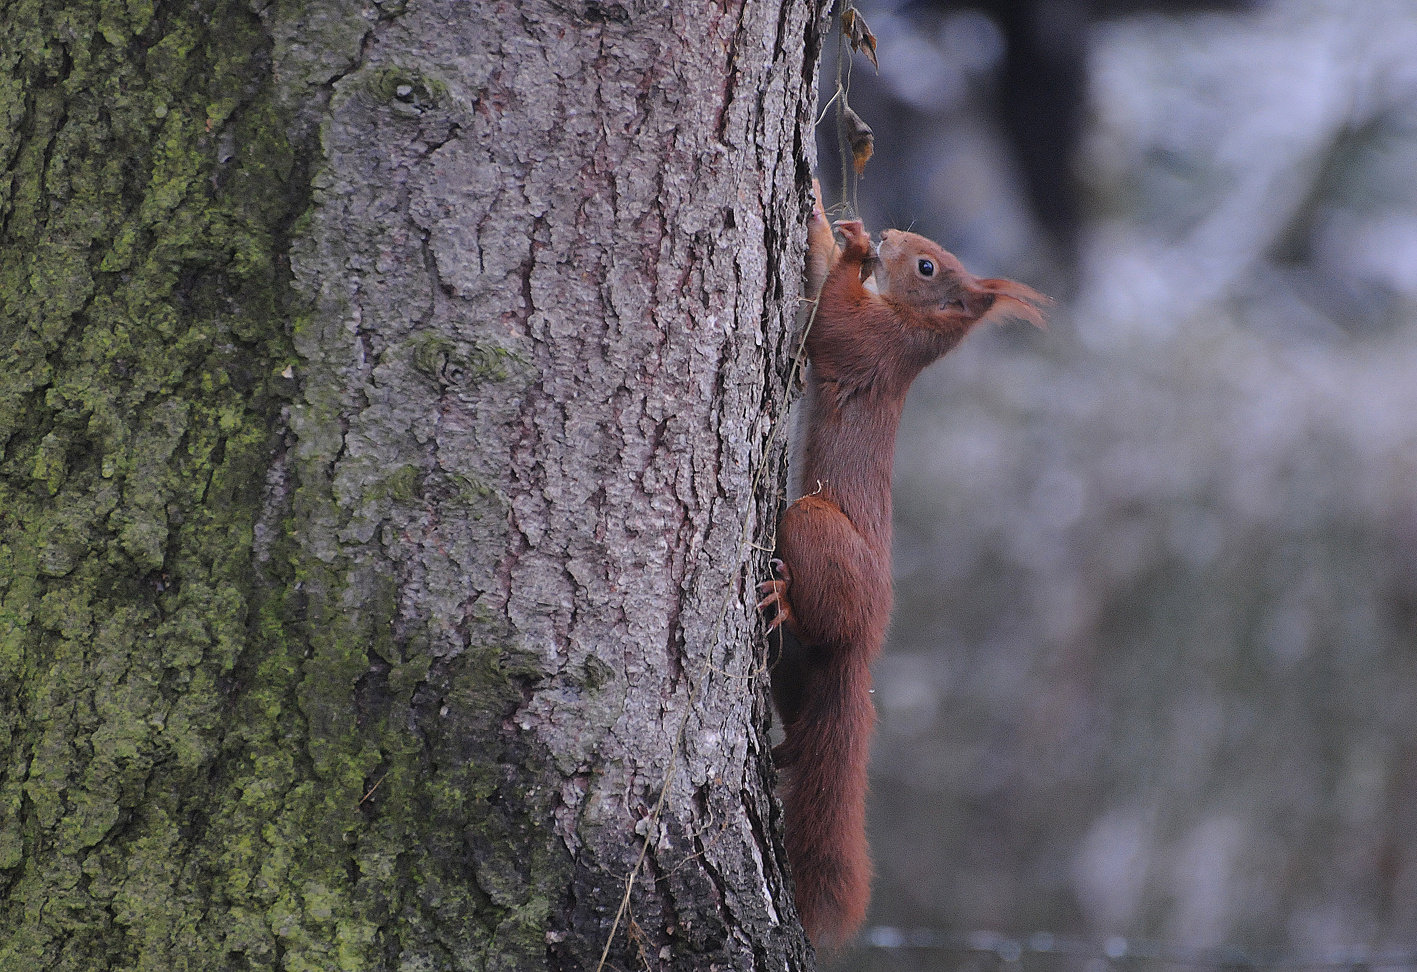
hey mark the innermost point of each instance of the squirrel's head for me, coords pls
(919, 274)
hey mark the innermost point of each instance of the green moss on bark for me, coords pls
(141, 316)
(208, 759)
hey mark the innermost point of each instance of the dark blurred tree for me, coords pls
(1038, 100)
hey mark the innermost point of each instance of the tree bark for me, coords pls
(382, 392)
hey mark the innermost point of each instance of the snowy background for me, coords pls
(1153, 670)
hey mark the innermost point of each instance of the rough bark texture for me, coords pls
(380, 393)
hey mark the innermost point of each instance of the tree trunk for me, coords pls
(381, 394)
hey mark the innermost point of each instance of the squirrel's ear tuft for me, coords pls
(1017, 300)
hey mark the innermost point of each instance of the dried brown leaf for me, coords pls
(859, 35)
(859, 136)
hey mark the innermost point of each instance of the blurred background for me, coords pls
(1153, 670)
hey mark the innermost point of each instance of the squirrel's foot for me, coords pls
(775, 595)
(819, 211)
(822, 248)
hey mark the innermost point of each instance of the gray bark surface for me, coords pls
(548, 286)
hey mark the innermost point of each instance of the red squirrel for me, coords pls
(881, 317)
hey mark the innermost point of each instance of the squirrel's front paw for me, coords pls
(858, 241)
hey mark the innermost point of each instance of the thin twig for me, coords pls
(372, 789)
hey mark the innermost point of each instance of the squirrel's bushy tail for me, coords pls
(823, 763)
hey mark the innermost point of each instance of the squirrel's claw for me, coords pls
(775, 595)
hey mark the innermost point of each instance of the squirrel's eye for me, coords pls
(926, 268)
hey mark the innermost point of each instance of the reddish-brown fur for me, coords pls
(832, 598)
